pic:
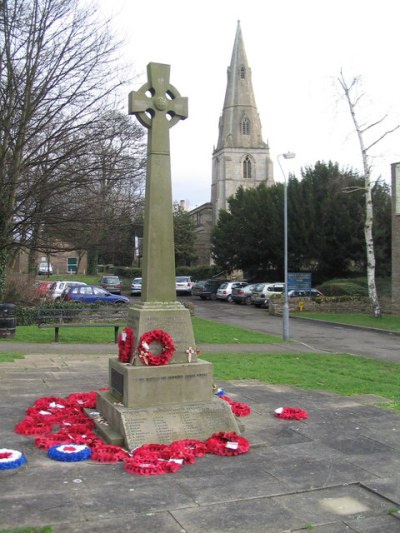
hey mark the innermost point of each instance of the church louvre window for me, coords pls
(245, 126)
(247, 167)
(242, 72)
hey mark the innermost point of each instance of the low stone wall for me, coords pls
(342, 304)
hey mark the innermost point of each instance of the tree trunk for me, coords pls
(369, 216)
(369, 241)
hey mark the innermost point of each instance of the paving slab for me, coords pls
(335, 471)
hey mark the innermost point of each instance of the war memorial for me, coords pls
(148, 401)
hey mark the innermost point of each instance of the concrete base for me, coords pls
(161, 404)
(133, 427)
(171, 317)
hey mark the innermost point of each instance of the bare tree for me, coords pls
(57, 70)
(353, 97)
(87, 202)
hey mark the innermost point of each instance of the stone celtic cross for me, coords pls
(158, 106)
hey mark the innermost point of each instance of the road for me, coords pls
(318, 336)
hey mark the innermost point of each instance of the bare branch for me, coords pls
(383, 136)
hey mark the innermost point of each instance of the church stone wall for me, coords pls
(203, 224)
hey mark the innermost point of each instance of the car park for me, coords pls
(183, 284)
(136, 287)
(210, 288)
(58, 287)
(312, 293)
(45, 268)
(224, 291)
(90, 294)
(111, 284)
(242, 295)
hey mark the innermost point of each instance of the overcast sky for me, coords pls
(295, 50)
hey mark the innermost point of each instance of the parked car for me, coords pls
(42, 288)
(183, 285)
(111, 284)
(136, 287)
(263, 291)
(242, 295)
(209, 290)
(58, 287)
(275, 288)
(91, 294)
(224, 291)
(313, 293)
(197, 287)
(259, 297)
(45, 268)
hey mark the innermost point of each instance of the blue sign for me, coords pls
(299, 281)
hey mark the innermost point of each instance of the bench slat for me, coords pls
(82, 317)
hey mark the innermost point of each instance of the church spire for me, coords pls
(239, 125)
(241, 158)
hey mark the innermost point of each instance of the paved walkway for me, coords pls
(336, 471)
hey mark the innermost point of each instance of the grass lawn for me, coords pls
(388, 322)
(341, 374)
(208, 332)
(204, 331)
(9, 357)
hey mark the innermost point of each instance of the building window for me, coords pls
(247, 167)
(72, 264)
(245, 126)
(242, 73)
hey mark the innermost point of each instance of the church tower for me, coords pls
(241, 157)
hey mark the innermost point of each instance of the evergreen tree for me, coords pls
(184, 237)
(325, 226)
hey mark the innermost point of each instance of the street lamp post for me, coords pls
(285, 311)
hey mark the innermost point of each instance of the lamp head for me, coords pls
(289, 155)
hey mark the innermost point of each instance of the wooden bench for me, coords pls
(83, 317)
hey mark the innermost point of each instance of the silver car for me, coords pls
(136, 287)
(58, 287)
(224, 291)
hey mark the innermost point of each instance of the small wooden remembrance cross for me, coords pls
(158, 106)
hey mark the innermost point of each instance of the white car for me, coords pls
(184, 285)
(45, 268)
(58, 287)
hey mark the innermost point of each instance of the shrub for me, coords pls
(344, 287)
(198, 272)
(128, 272)
(189, 306)
(20, 290)
(26, 316)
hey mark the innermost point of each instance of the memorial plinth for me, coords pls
(150, 386)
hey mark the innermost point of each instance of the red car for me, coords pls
(42, 288)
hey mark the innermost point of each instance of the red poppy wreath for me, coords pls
(165, 341)
(125, 345)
